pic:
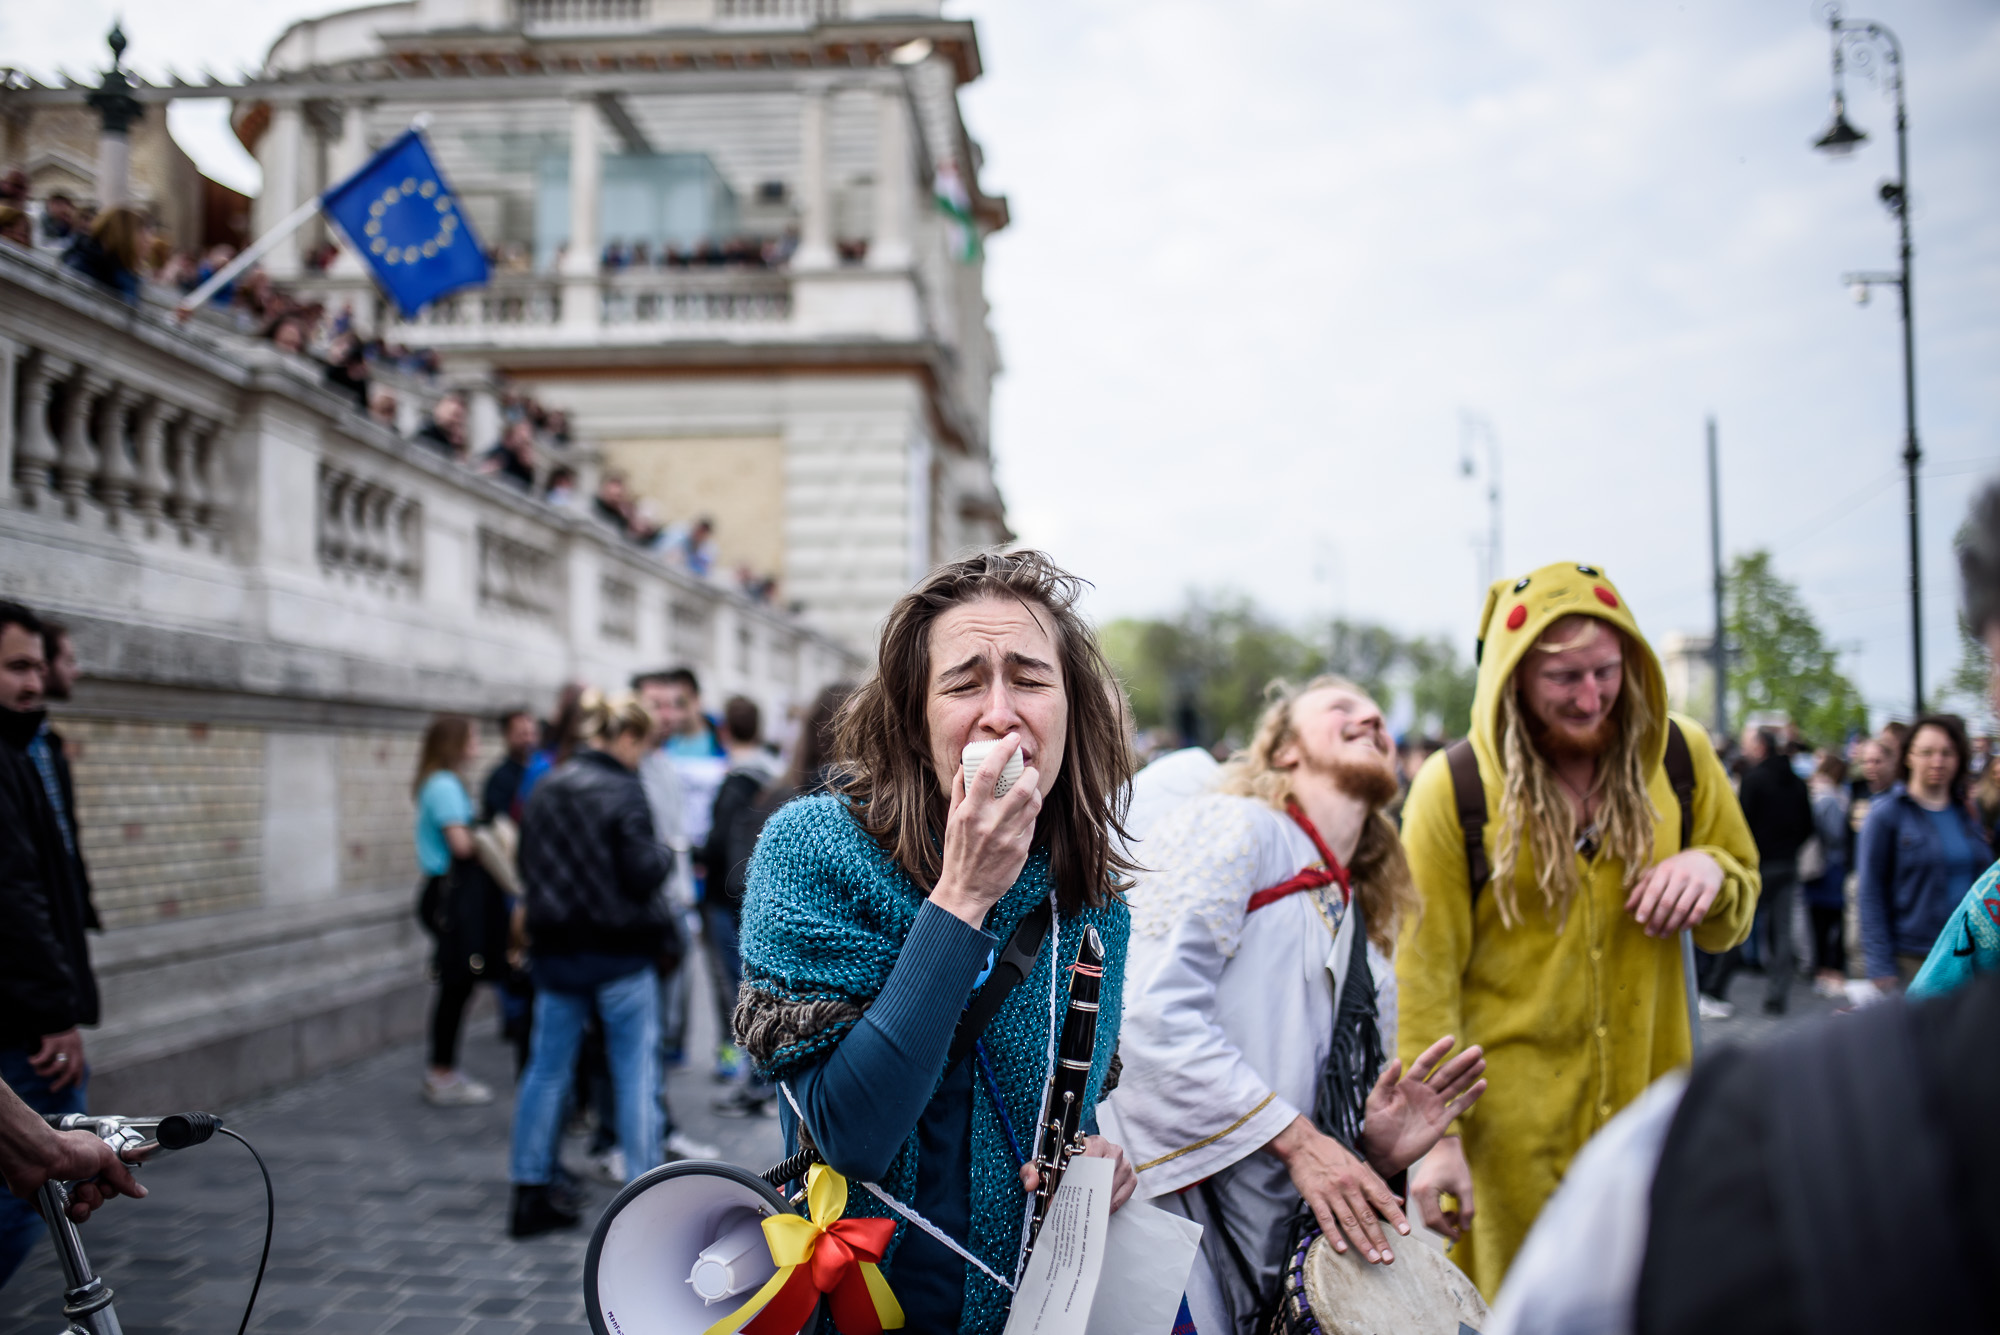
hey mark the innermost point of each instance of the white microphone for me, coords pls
(975, 755)
(734, 1263)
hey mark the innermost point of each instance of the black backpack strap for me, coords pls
(1016, 958)
(1470, 795)
(1680, 774)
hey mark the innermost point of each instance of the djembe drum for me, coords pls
(1340, 1293)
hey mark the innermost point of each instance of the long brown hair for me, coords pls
(1379, 869)
(813, 752)
(882, 737)
(120, 229)
(443, 747)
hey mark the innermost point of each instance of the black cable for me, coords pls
(270, 1224)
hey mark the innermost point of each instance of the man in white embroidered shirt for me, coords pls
(1254, 1098)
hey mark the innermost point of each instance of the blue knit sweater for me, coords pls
(825, 913)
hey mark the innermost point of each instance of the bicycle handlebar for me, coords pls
(140, 1139)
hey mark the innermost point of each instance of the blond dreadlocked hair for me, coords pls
(1380, 871)
(1532, 802)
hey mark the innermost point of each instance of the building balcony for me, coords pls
(559, 18)
(646, 307)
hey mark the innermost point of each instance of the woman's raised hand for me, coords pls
(986, 838)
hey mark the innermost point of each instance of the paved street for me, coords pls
(391, 1213)
(1750, 1025)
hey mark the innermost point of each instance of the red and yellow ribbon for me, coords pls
(824, 1254)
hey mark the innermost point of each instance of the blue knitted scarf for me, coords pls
(824, 916)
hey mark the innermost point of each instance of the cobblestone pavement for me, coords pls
(391, 1213)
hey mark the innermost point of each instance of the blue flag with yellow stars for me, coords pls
(402, 218)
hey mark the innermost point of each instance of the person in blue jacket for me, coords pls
(1921, 850)
(1970, 941)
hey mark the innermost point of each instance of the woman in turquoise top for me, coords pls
(444, 834)
(872, 914)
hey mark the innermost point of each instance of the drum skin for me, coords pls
(1422, 1293)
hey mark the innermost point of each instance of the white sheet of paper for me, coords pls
(1148, 1254)
(1061, 1281)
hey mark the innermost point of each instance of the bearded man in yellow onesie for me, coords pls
(1551, 936)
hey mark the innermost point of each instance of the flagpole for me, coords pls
(255, 251)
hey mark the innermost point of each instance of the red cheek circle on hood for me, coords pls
(1605, 596)
(1518, 617)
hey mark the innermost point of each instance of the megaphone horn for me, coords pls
(682, 1241)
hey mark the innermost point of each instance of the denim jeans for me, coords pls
(630, 1010)
(21, 1226)
(725, 953)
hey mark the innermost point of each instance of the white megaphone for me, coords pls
(680, 1246)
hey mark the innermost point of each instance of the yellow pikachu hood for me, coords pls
(1519, 612)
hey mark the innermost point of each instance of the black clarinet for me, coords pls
(1060, 1134)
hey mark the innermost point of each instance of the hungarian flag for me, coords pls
(956, 204)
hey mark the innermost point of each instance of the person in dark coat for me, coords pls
(750, 771)
(47, 989)
(1778, 809)
(594, 877)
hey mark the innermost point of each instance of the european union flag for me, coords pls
(401, 217)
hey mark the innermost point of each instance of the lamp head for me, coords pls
(1841, 138)
(912, 52)
(1858, 289)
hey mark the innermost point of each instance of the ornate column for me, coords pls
(332, 542)
(185, 499)
(281, 154)
(78, 461)
(586, 186)
(815, 195)
(895, 177)
(11, 356)
(35, 454)
(150, 484)
(115, 473)
(216, 492)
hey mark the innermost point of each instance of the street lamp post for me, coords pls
(1867, 38)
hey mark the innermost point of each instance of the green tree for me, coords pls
(1968, 689)
(1779, 660)
(1442, 689)
(1203, 672)
(1365, 654)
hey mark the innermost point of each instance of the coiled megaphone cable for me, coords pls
(794, 1168)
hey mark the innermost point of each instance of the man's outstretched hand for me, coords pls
(1406, 1114)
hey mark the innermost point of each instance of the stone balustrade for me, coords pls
(270, 595)
(135, 457)
(628, 305)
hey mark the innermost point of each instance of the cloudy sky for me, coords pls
(1269, 255)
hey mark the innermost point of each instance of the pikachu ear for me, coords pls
(1486, 618)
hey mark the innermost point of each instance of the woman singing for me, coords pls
(873, 913)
